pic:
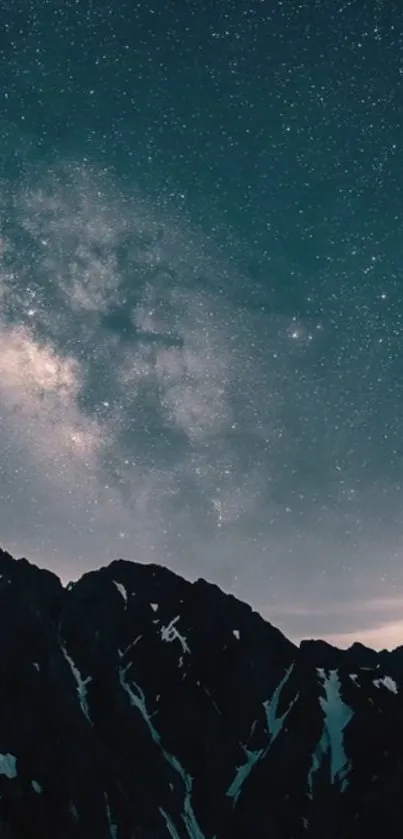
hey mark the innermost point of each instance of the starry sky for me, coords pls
(201, 298)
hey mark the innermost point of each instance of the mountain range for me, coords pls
(135, 704)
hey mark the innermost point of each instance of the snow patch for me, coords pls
(170, 825)
(8, 765)
(354, 677)
(212, 700)
(81, 685)
(138, 700)
(274, 725)
(121, 589)
(154, 606)
(122, 653)
(337, 715)
(113, 828)
(170, 633)
(387, 682)
(36, 665)
(274, 722)
(242, 773)
(236, 633)
(36, 787)
(74, 812)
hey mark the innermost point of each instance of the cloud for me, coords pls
(379, 637)
(373, 620)
(362, 607)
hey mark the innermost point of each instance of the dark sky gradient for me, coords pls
(201, 298)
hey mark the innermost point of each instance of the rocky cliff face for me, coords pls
(136, 705)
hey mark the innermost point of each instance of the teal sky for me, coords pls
(201, 299)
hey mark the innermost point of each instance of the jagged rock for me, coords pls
(136, 704)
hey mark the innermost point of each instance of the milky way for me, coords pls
(201, 307)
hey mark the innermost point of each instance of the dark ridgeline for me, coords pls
(136, 705)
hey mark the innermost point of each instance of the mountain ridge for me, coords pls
(134, 703)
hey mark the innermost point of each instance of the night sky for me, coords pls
(201, 298)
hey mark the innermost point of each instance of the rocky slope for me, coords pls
(136, 705)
